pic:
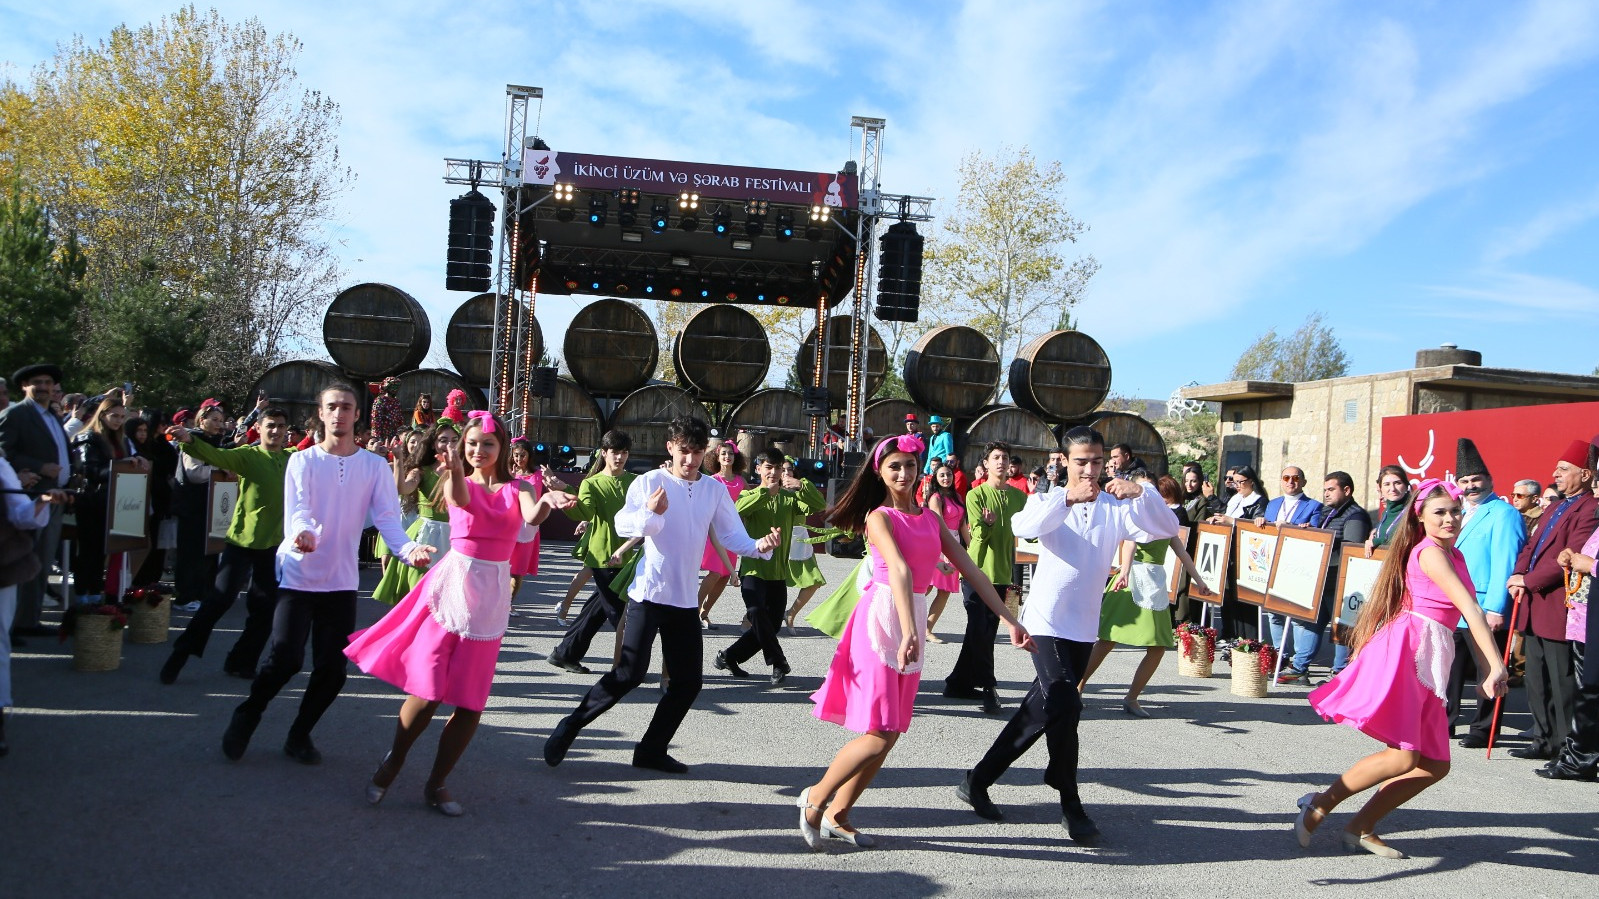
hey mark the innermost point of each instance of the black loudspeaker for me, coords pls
(849, 464)
(471, 251)
(899, 274)
(816, 401)
(542, 383)
(813, 470)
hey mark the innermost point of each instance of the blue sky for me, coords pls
(1421, 172)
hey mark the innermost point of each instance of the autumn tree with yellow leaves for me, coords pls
(196, 172)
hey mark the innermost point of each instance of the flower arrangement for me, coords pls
(1265, 654)
(149, 596)
(1188, 632)
(110, 615)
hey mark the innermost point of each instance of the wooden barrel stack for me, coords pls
(570, 418)
(887, 416)
(1136, 432)
(469, 339)
(953, 370)
(1028, 436)
(373, 331)
(293, 386)
(611, 348)
(1062, 375)
(837, 360)
(437, 383)
(779, 413)
(644, 415)
(722, 355)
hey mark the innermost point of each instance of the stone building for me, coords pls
(1336, 424)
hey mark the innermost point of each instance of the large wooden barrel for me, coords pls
(611, 348)
(838, 358)
(294, 386)
(780, 414)
(1136, 432)
(1029, 436)
(953, 370)
(376, 330)
(644, 415)
(571, 418)
(1060, 375)
(437, 383)
(470, 337)
(722, 355)
(887, 416)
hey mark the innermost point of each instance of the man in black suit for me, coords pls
(34, 442)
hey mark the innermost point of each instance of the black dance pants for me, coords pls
(238, 568)
(974, 668)
(327, 619)
(766, 602)
(682, 650)
(602, 605)
(1051, 709)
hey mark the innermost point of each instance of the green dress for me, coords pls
(1125, 622)
(399, 578)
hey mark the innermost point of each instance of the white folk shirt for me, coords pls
(334, 497)
(1079, 543)
(668, 572)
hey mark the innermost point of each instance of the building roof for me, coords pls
(1240, 391)
(1577, 388)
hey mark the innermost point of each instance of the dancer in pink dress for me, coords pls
(1394, 688)
(945, 501)
(719, 564)
(440, 643)
(871, 684)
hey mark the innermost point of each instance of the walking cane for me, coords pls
(1510, 642)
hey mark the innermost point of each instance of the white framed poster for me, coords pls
(1176, 576)
(224, 497)
(1257, 549)
(1357, 575)
(1299, 571)
(1211, 549)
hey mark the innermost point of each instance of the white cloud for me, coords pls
(1522, 239)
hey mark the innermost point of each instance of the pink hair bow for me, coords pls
(904, 443)
(487, 421)
(1427, 486)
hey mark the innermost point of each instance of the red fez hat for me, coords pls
(910, 416)
(1576, 455)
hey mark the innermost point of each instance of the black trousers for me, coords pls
(327, 619)
(602, 605)
(766, 602)
(682, 648)
(1551, 690)
(88, 551)
(1463, 676)
(192, 570)
(974, 668)
(1051, 709)
(237, 569)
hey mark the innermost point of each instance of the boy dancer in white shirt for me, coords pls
(671, 508)
(329, 491)
(1078, 529)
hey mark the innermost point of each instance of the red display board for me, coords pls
(1516, 443)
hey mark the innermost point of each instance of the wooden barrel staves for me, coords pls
(470, 337)
(1136, 432)
(838, 359)
(437, 383)
(644, 415)
(1060, 375)
(722, 355)
(611, 348)
(777, 416)
(293, 387)
(953, 370)
(570, 418)
(887, 416)
(374, 330)
(1029, 436)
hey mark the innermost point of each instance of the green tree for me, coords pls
(1311, 353)
(189, 142)
(999, 259)
(148, 335)
(41, 286)
(1195, 438)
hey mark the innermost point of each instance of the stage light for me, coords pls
(688, 202)
(690, 220)
(740, 243)
(626, 206)
(658, 217)
(596, 210)
(562, 194)
(649, 285)
(755, 217)
(705, 293)
(682, 261)
(785, 224)
(817, 226)
(721, 221)
(632, 236)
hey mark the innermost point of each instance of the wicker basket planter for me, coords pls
(1248, 679)
(149, 624)
(1195, 656)
(97, 643)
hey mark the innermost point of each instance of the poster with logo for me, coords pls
(1212, 548)
(224, 497)
(127, 514)
(1256, 551)
(1298, 572)
(1357, 575)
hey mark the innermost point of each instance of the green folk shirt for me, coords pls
(763, 509)
(599, 498)
(258, 518)
(994, 545)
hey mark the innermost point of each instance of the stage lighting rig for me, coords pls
(562, 194)
(658, 218)
(597, 210)
(785, 224)
(721, 221)
(820, 216)
(626, 206)
(755, 217)
(688, 211)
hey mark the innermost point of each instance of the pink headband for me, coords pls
(487, 423)
(1426, 487)
(904, 443)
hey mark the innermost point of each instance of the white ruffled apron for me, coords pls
(469, 597)
(883, 625)
(1435, 654)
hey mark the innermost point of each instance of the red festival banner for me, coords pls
(586, 171)
(1517, 442)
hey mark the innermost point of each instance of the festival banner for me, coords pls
(1516, 442)
(587, 171)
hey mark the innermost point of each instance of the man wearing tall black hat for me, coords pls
(1491, 537)
(1578, 757)
(34, 442)
(1540, 583)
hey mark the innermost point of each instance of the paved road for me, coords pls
(116, 787)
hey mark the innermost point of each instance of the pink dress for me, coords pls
(712, 560)
(1394, 689)
(442, 640)
(863, 690)
(954, 514)
(525, 558)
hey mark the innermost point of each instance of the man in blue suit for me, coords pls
(1490, 538)
(1291, 506)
